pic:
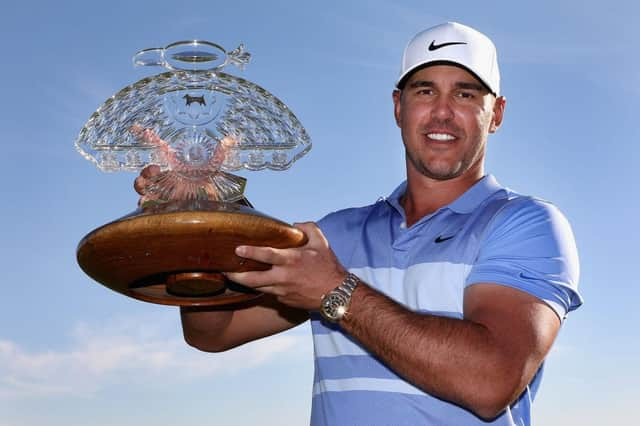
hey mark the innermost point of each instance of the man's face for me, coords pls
(445, 115)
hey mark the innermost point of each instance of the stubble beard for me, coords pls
(443, 170)
(440, 171)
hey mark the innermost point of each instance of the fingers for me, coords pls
(279, 259)
(288, 256)
(272, 281)
(143, 179)
(150, 171)
(298, 276)
(261, 281)
(139, 185)
(270, 255)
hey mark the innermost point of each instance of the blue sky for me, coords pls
(73, 353)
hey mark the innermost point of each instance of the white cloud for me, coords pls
(135, 351)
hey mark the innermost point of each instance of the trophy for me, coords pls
(196, 124)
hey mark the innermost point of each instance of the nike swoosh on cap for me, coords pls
(433, 46)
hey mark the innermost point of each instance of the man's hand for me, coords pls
(141, 184)
(299, 276)
(153, 184)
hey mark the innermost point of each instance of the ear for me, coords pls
(397, 94)
(498, 113)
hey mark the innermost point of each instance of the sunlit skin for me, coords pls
(445, 116)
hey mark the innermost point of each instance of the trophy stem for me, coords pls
(196, 284)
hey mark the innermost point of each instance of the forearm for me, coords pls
(205, 328)
(220, 329)
(456, 360)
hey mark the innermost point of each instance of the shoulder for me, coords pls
(343, 229)
(346, 219)
(529, 244)
(519, 216)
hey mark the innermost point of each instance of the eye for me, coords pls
(424, 91)
(465, 95)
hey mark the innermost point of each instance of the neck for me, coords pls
(426, 195)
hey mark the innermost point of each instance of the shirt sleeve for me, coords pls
(342, 229)
(529, 245)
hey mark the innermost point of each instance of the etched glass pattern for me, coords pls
(195, 121)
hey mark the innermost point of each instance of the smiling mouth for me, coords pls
(441, 137)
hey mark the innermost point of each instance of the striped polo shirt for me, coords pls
(489, 234)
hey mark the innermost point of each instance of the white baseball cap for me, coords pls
(455, 43)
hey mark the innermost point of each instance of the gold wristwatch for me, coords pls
(334, 305)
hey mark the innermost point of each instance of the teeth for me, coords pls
(440, 136)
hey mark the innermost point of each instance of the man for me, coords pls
(438, 304)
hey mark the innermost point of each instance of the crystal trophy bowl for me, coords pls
(196, 125)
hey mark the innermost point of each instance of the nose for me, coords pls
(442, 109)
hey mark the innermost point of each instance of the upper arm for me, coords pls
(519, 328)
(521, 325)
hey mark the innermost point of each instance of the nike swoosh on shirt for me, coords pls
(433, 46)
(441, 239)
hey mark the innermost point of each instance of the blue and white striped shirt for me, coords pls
(489, 234)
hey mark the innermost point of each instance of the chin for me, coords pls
(438, 168)
(442, 171)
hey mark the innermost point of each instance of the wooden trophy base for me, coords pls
(174, 253)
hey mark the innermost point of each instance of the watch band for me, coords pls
(349, 284)
(334, 305)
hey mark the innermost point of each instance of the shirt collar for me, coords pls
(465, 203)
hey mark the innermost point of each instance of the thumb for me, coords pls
(313, 233)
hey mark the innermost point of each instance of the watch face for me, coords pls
(334, 305)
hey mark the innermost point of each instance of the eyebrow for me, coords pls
(470, 86)
(421, 83)
(460, 85)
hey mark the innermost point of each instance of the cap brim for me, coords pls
(403, 78)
